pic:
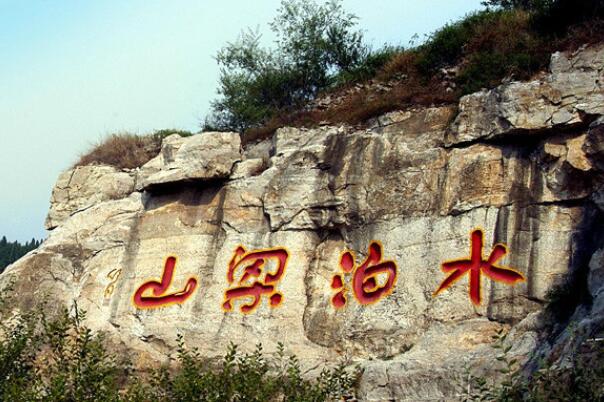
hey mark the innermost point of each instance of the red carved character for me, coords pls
(476, 265)
(365, 285)
(152, 294)
(253, 277)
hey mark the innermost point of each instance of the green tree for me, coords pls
(315, 43)
(12, 251)
(514, 4)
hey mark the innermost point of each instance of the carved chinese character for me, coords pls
(475, 265)
(114, 275)
(373, 280)
(153, 294)
(250, 277)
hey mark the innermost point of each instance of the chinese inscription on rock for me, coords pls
(254, 275)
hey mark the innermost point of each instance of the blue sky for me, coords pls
(73, 71)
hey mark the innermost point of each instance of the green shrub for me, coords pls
(369, 67)
(58, 359)
(17, 342)
(445, 46)
(74, 364)
(503, 45)
(262, 89)
(242, 377)
(554, 17)
(579, 381)
(55, 360)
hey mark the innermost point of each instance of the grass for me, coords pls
(125, 150)
(358, 108)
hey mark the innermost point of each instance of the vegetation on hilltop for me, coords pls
(12, 251)
(318, 47)
(315, 45)
(126, 150)
(263, 89)
(320, 52)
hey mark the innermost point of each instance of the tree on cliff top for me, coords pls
(315, 43)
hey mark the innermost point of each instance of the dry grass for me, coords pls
(501, 34)
(357, 109)
(402, 63)
(368, 104)
(485, 48)
(122, 150)
(589, 32)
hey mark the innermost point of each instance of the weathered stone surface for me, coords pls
(259, 150)
(595, 280)
(205, 156)
(320, 192)
(573, 89)
(85, 186)
(76, 256)
(248, 168)
(594, 143)
(433, 369)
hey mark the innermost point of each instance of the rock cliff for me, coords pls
(524, 162)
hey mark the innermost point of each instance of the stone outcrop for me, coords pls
(200, 158)
(570, 93)
(84, 186)
(523, 161)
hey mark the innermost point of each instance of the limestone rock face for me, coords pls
(85, 186)
(596, 273)
(523, 162)
(207, 156)
(572, 90)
